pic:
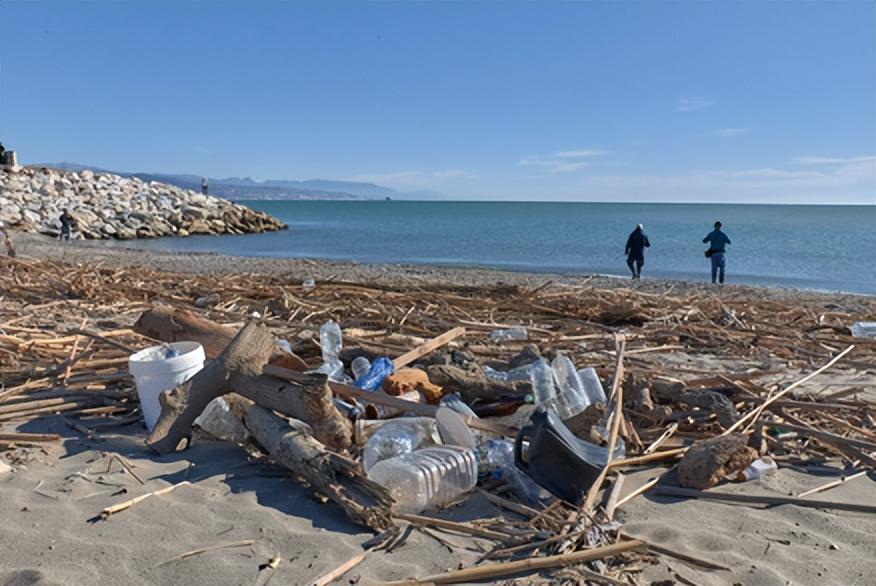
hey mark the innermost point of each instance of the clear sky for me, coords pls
(591, 101)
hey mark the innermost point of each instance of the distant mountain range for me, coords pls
(237, 188)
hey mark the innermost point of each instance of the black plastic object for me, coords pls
(556, 459)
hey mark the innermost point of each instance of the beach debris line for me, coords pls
(685, 384)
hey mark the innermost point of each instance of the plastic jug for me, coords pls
(552, 456)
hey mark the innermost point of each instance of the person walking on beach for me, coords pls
(635, 251)
(718, 242)
(67, 224)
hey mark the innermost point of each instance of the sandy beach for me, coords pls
(248, 512)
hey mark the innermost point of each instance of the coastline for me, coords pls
(297, 269)
(233, 499)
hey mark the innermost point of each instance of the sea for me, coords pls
(828, 248)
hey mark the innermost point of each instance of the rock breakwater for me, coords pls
(106, 206)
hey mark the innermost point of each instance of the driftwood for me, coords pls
(331, 474)
(239, 369)
(707, 462)
(170, 324)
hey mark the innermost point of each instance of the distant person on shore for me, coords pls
(204, 186)
(635, 251)
(67, 224)
(718, 242)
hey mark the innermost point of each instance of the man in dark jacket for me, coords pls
(718, 242)
(67, 225)
(635, 251)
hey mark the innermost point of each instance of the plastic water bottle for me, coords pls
(398, 437)
(330, 342)
(761, 467)
(453, 401)
(571, 397)
(592, 385)
(542, 377)
(308, 284)
(864, 329)
(427, 478)
(380, 369)
(496, 460)
(218, 420)
(360, 367)
(512, 333)
(515, 374)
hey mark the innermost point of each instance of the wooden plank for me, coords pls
(431, 345)
(763, 500)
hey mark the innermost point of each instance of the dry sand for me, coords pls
(52, 496)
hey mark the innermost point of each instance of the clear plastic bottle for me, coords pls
(592, 385)
(864, 329)
(515, 374)
(331, 341)
(218, 420)
(496, 460)
(360, 367)
(427, 478)
(542, 377)
(761, 467)
(571, 397)
(512, 333)
(398, 437)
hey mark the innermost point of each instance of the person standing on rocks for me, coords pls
(718, 242)
(204, 185)
(7, 240)
(635, 251)
(67, 225)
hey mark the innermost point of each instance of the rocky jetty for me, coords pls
(108, 206)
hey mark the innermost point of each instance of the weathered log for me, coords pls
(171, 324)
(707, 462)
(331, 474)
(239, 368)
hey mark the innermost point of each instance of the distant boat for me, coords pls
(388, 198)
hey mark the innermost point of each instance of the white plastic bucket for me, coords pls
(153, 374)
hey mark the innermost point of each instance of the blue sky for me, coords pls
(590, 101)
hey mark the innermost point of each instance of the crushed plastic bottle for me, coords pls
(399, 436)
(515, 374)
(592, 385)
(864, 329)
(308, 284)
(427, 478)
(455, 402)
(360, 367)
(512, 333)
(496, 460)
(566, 400)
(571, 396)
(761, 467)
(331, 341)
(380, 369)
(218, 420)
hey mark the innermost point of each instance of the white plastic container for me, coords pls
(153, 374)
(427, 478)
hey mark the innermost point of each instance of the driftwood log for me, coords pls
(331, 474)
(171, 324)
(239, 368)
(707, 462)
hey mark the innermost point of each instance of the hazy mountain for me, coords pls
(238, 188)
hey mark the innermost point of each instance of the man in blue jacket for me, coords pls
(635, 251)
(718, 242)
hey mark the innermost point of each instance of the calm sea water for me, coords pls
(819, 247)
